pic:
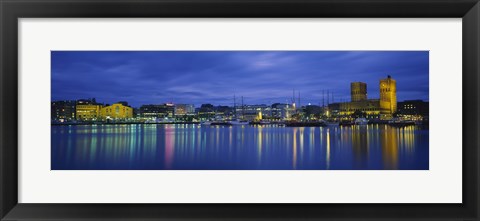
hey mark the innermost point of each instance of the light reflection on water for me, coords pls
(195, 147)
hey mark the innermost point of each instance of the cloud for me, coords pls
(215, 76)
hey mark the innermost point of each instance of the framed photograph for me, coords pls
(162, 110)
(160, 114)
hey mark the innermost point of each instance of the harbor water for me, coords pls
(246, 147)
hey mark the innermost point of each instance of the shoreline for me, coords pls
(118, 123)
(298, 124)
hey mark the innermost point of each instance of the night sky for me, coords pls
(261, 77)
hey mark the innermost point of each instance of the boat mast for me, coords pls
(299, 105)
(234, 106)
(243, 111)
(293, 98)
(323, 98)
(328, 97)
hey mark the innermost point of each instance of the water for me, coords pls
(195, 147)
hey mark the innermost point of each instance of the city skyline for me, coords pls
(198, 77)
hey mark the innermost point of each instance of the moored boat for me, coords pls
(347, 123)
(221, 124)
(238, 122)
(264, 122)
(306, 124)
(400, 123)
(206, 123)
(361, 121)
(332, 124)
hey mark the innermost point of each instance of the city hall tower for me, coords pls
(358, 91)
(388, 97)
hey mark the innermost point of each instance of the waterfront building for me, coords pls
(370, 107)
(184, 109)
(222, 112)
(153, 111)
(63, 111)
(136, 112)
(280, 111)
(87, 110)
(124, 103)
(313, 111)
(206, 111)
(251, 112)
(383, 108)
(388, 97)
(358, 91)
(170, 109)
(117, 111)
(413, 110)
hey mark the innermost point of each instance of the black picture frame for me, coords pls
(12, 10)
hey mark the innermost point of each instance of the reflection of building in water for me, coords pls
(294, 160)
(373, 108)
(169, 145)
(389, 140)
(327, 154)
(259, 143)
(360, 146)
(407, 139)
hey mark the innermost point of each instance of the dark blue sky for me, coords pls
(261, 77)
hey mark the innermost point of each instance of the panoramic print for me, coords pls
(240, 110)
